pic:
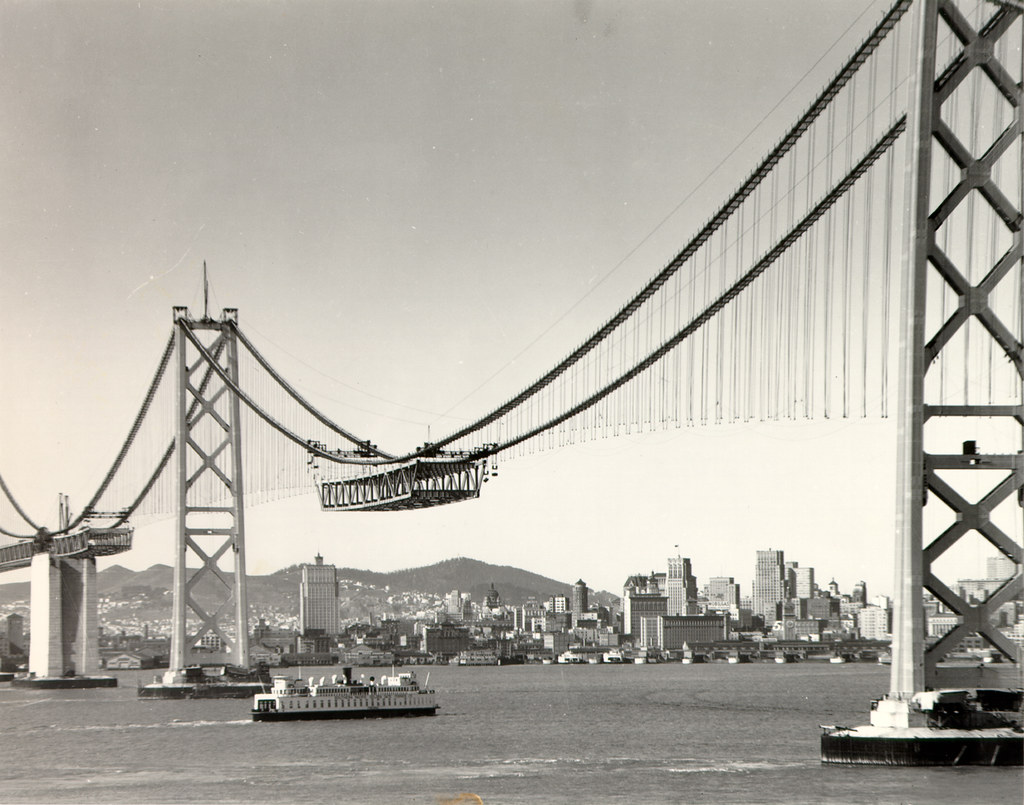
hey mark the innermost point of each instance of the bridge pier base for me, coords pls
(63, 619)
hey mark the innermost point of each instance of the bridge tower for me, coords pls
(930, 473)
(210, 525)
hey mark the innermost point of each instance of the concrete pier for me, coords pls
(63, 620)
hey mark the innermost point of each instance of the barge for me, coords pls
(207, 682)
(962, 727)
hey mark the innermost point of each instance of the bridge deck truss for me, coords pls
(415, 485)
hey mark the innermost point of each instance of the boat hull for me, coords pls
(212, 690)
(321, 715)
(925, 747)
(64, 682)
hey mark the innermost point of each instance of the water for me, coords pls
(675, 733)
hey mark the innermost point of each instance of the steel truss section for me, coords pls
(415, 485)
(210, 515)
(89, 542)
(914, 663)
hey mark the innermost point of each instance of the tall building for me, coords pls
(791, 569)
(805, 586)
(722, 591)
(769, 584)
(318, 598)
(999, 567)
(641, 598)
(458, 606)
(680, 587)
(860, 592)
(874, 623)
(579, 599)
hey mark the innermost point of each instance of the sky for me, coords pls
(417, 208)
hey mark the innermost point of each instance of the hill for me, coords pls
(279, 590)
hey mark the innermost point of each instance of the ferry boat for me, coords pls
(571, 658)
(294, 699)
(614, 657)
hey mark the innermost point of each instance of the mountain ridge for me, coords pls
(281, 587)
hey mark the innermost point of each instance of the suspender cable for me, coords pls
(822, 102)
(302, 401)
(826, 204)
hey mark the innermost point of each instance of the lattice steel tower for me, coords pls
(210, 510)
(962, 366)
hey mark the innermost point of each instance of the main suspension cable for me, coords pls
(822, 102)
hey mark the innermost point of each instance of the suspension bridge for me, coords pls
(876, 246)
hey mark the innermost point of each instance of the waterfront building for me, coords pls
(680, 587)
(672, 631)
(769, 584)
(318, 598)
(445, 640)
(556, 642)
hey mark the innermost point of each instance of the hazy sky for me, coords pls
(400, 197)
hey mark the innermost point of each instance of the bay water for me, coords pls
(664, 733)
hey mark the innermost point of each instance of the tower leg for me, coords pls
(45, 657)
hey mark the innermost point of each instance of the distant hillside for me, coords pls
(281, 589)
(466, 575)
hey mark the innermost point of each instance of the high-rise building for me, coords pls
(860, 592)
(318, 598)
(769, 584)
(641, 598)
(458, 606)
(999, 567)
(790, 575)
(722, 591)
(579, 599)
(680, 587)
(874, 623)
(805, 586)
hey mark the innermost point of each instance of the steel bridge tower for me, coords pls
(932, 477)
(210, 505)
